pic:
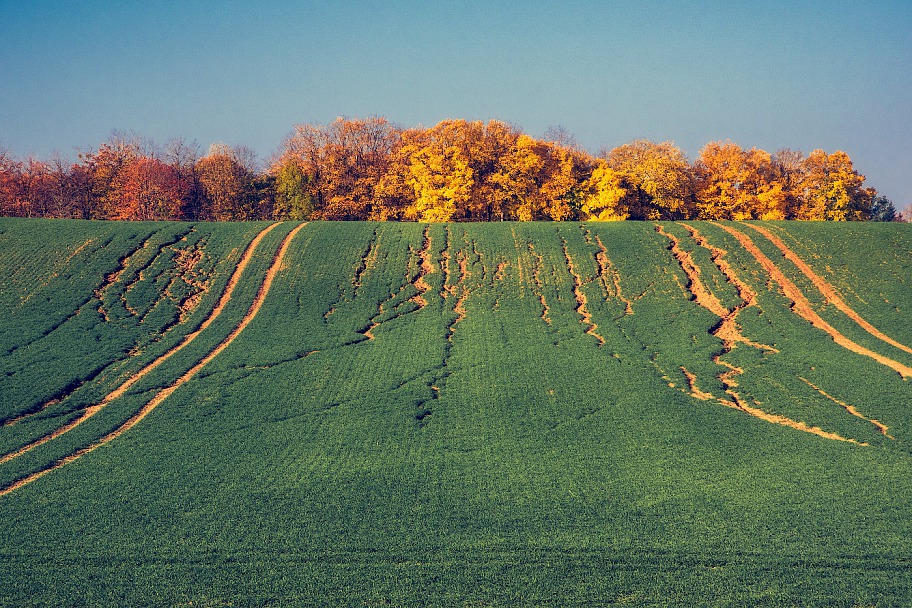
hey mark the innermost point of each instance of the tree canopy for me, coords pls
(457, 170)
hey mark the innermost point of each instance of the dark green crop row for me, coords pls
(458, 414)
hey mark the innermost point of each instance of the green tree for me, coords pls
(293, 200)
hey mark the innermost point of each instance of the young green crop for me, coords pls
(476, 414)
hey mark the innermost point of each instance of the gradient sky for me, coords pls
(796, 74)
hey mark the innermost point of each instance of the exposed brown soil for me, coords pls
(605, 265)
(730, 333)
(881, 427)
(694, 390)
(828, 291)
(78, 250)
(537, 262)
(412, 278)
(581, 309)
(427, 267)
(166, 392)
(499, 271)
(133, 379)
(701, 294)
(802, 307)
(112, 278)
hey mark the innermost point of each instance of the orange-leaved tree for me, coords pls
(736, 184)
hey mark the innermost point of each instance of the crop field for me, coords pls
(392, 414)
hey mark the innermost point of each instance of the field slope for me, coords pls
(637, 414)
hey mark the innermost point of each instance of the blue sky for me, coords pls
(803, 75)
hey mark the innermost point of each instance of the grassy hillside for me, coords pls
(455, 414)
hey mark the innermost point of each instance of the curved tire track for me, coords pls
(164, 393)
(828, 291)
(802, 306)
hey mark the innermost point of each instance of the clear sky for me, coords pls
(797, 74)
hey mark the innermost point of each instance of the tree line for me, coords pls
(458, 170)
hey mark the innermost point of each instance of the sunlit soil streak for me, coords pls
(695, 286)
(365, 264)
(740, 404)
(828, 291)
(427, 267)
(123, 388)
(581, 309)
(460, 292)
(729, 330)
(166, 392)
(730, 335)
(881, 427)
(802, 307)
(537, 263)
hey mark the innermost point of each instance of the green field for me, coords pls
(541, 414)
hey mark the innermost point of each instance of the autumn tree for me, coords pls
(343, 161)
(106, 167)
(606, 195)
(293, 200)
(517, 181)
(148, 189)
(227, 185)
(568, 170)
(736, 184)
(442, 183)
(182, 157)
(831, 189)
(658, 179)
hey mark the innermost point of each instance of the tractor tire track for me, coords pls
(123, 388)
(416, 280)
(881, 427)
(802, 306)
(828, 291)
(728, 331)
(163, 394)
(606, 270)
(581, 302)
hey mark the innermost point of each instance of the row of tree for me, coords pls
(455, 171)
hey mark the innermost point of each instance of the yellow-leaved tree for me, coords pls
(441, 181)
(832, 190)
(658, 179)
(606, 198)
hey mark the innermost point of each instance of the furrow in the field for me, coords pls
(185, 263)
(703, 296)
(581, 303)
(881, 427)
(538, 290)
(425, 269)
(141, 274)
(366, 263)
(189, 374)
(694, 390)
(728, 331)
(459, 291)
(802, 307)
(413, 278)
(606, 271)
(123, 388)
(143, 258)
(828, 291)
(111, 279)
